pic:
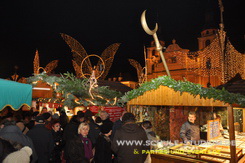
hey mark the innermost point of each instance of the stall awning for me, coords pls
(14, 94)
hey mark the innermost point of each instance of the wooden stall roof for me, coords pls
(166, 96)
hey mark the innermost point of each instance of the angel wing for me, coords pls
(51, 66)
(77, 68)
(136, 65)
(36, 63)
(108, 57)
(78, 52)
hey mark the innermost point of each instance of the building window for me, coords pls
(207, 42)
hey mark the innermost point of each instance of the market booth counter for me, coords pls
(168, 110)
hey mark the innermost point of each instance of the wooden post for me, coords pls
(232, 134)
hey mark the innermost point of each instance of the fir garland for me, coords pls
(185, 86)
(75, 91)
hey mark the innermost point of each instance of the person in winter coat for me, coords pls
(13, 133)
(94, 129)
(70, 131)
(58, 142)
(20, 156)
(130, 132)
(152, 137)
(42, 139)
(80, 148)
(103, 153)
(5, 149)
(117, 125)
(63, 118)
(106, 119)
(190, 132)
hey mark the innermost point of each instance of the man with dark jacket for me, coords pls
(129, 142)
(190, 132)
(42, 139)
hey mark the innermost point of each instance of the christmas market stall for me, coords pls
(77, 94)
(166, 103)
(14, 95)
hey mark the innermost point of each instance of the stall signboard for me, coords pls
(114, 111)
(50, 105)
(213, 129)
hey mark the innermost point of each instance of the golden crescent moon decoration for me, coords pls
(145, 26)
(154, 34)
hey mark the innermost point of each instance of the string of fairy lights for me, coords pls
(219, 59)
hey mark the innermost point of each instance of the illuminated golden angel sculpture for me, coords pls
(82, 63)
(49, 68)
(140, 71)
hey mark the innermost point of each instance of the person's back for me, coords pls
(42, 140)
(14, 134)
(70, 133)
(133, 141)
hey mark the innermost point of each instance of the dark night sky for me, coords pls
(28, 25)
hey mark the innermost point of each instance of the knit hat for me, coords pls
(23, 156)
(105, 129)
(40, 119)
(46, 115)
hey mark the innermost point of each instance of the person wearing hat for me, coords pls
(103, 153)
(22, 155)
(42, 139)
(13, 133)
(32, 121)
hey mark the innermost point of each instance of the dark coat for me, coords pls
(13, 133)
(189, 131)
(63, 120)
(126, 153)
(75, 151)
(58, 146)
(103, 151)
(94, 131)
(116, 126)
(108, 123)
(43, 142)
(70, 132)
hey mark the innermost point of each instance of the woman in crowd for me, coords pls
(80, 148)
(58, 143)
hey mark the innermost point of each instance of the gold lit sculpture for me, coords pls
(97, 71)
(50, 66)
(140, 71)
(80, 55)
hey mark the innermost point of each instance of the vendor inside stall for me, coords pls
(190, 132)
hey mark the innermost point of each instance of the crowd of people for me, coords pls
(40, 137)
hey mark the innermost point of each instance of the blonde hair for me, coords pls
(82, 125)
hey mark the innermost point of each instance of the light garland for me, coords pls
(225, 61)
